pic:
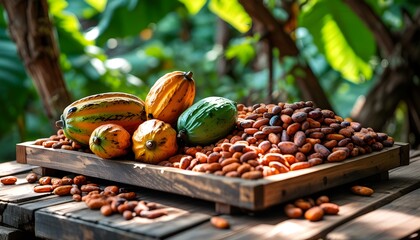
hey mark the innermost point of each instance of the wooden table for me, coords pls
(392, 212)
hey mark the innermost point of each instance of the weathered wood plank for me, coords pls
(21, 215)
(248, 194)
(74, 215)
(402, 180)
(396, 220)
(13, 167)
(53, 226)
(9, 233)
(328, 175)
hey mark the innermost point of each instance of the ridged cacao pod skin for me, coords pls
(207, 121)
(80, 118)
(154, 141)
(110, 141)
(170, 96)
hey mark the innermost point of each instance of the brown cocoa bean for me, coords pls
(293, 128)
(185, 162)
(237, 147)
(111, 190)
(230, 167)
(152, 214)
(299, 138)
(315, 161)
(330, 144)
(299, 117)
(303, 204)
(330, 208)
(228, 161)
(321, 149)
(75, 190)
(305, 148)
(337, 156)
(322, 199)
(313, 123)
(96, 203)
(300, 165)
(286, 119)
(334, 136)
(281, 168)
(45, 180)
(62, 190)
(232, 174)
(49, 144)
(77, 197)
(248, 156)
(212, 167)
(106, 210)
(79, 180)
(263, 121)
(271, 129)
(201, 157)
(31, 177)
(250, 131)
(245, 167)
(43, 188)
(252, 175)
(356, 126)
(316, 135)
(273, 138)
(214, 157)
(300, 157)
(293, 212)
(287, 147)
(314, 214)
(362, 190)
(8, 180)
(89, 188)
(219, 222)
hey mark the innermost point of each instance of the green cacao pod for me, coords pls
(207, 121)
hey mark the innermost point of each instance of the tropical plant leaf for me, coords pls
(193, 6)
(243, 49)
(341, 36)
(70, 37)
(233, 13)
(123, 18)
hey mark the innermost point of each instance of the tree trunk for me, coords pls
(306, 80)
(397, 81)
(32, 31)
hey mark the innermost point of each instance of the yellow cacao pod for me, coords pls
(170, 96)
(154, 141)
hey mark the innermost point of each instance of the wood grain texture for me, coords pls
(14, 167)
(402, 181)
(248, 194)
(395, 220)
(80, 218)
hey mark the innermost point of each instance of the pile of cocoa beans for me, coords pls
(59, 141)
(272, 139)
(310, 209)
(109, 200)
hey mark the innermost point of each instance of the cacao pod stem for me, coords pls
(59, 123)
(96, 140)
(188, 75)
(150, 144)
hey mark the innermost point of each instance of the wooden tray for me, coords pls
(224, 191)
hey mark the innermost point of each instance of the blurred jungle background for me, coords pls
(359, 58)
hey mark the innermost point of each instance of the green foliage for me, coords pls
(230, 11)
(342, 37)
(123, 18)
